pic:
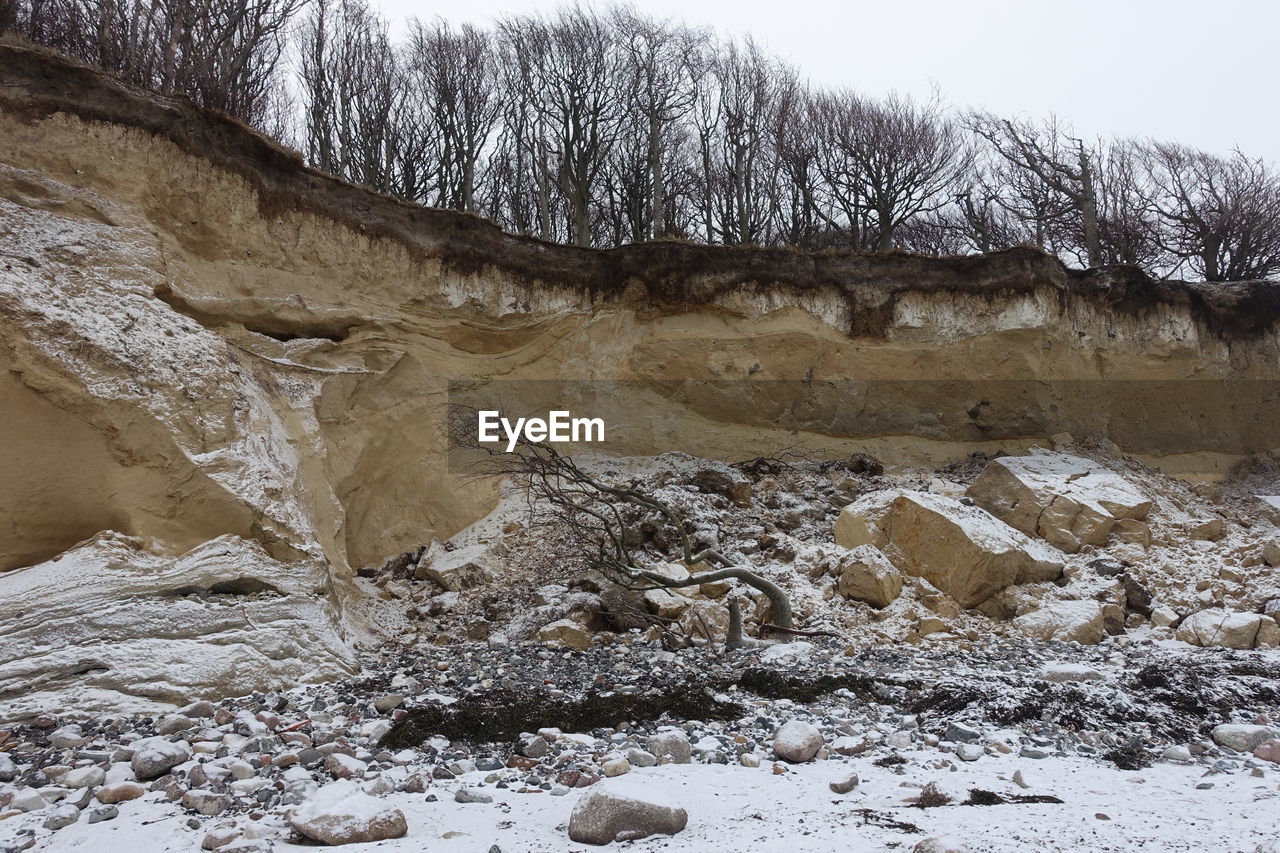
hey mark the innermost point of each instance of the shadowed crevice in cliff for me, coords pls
(273, 326)
(661, 275)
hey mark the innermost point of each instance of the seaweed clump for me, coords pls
(500, 716)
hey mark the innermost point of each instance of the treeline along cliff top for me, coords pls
(607, 126)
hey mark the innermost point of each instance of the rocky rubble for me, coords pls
(1016, 648)
(897, 557)
(318, 761)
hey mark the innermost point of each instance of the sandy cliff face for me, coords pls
(202, 339)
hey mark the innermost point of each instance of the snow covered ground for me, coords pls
(734, 808)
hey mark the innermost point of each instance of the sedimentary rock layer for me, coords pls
(202, 338)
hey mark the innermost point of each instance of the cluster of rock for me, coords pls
(1047, 545)
(247, 772)
(211, 762)
(1015, 527)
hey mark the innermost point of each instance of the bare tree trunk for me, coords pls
(782, 616)
(733, 637)
(1089, 211)
(658, 191)
(544, 192)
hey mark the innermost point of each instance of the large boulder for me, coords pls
(1070, 621)
(341, 813)
(962, 550)
(1216, 627)
(797, 741)
(1067, 500)
(1241, 737)
(865, 574)
(624, 810)
(456, 570)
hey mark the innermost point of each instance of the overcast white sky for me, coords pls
(1201, 72)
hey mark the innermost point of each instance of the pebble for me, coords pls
(940, 844)
(84, 777)
(28, 800)
(537, 747)
(62, 816)
(199, 709)
(845, 785)
(670, 745)
(960, 733)
(173, 724)
(155, 756)
(615, 767)
(1268, 751)
(101, 813)
(641, 758)
(340, 813)
(207, 803)
(389, 702)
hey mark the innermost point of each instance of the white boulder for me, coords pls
(566, 633)
(1067, 500)
(797, 741)
(1216, 627)
(623, 810)
(962, 550)
(1070, 621)
(1241, 737)
(456, 570)
(340, 813)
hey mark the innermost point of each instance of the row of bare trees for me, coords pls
(223, 54)
(610, 126)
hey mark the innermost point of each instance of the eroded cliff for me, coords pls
(205, 341)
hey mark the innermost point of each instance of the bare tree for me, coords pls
(994, 210)
(1063, 165)
(223, 54)
(803, 219)
(457, 72)
(1220, 215)
(10, 15)
(1128, 229)
(900, 158)
(661, 64)
(738, 112)
(608, 521)
(569, 71)
(363, 120)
